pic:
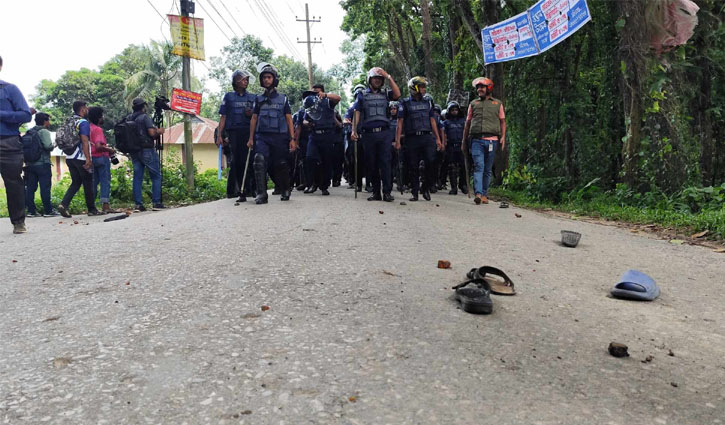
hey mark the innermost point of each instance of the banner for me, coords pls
(509, 40)
(187, 102)
(187, 35)
(555, 20)
(543, 26)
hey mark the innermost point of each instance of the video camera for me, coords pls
(162, 104)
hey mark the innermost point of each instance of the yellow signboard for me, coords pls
(187, 34)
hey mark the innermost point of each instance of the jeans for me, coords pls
(147, 159)
(11, 169)
(377, 160)
(102, 176)
(38, 174)
(79, 177)
(483, 152)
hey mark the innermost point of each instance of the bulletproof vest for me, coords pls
(236, 110)
(327, 118)
(394, 124)
(417, 115)
(375, 107)
(485, 117)
(271, 114)
(454, 130)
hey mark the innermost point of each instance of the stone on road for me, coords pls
(161, 318)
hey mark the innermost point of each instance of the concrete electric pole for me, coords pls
(309, 42)
(187, 7)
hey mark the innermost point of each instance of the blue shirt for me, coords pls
(357, 106)
(14, 110)
(234, 106)
(84, 129)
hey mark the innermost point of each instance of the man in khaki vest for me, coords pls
(486, 124)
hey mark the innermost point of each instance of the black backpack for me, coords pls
(128, 137)
(32, 145)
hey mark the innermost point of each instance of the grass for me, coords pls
(608, 208)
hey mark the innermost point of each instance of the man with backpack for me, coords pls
(37, 146)
(14, 111)
(146, 158)
(77, 130)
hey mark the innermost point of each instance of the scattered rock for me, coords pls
(75, 221)
(674, 384)
(437, 205)
(236, 204)
(52, 319)
(517, 215)
(403, 203)
(444, 264)
(61, 362)
(265, 307)
(617, 349)
(352, 399)
(390, 273)
(308, 230)
(15, 261)
(671, 354)
(648, 359)
(128, 282)
(381, 212)
(251, 316)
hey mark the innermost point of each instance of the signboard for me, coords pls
(508, 40)
(554, 20)
(187, 102)
(187, 35)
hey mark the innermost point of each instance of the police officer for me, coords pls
(396, 165)
(440, 172)
(301, 178)
(452, 136)
(416, 120)
(236, 113)
(350, 146)
(271, 127)
(371, 110)
(338, 152)
(320, 112)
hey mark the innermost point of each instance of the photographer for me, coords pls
(146, 159)
(101, 156)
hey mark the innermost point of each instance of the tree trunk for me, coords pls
(427, 42)
(632, 50)
(456, 74)
(703, 101)
(469, 21)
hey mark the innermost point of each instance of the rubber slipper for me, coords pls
(635, 285)
(503, 204)
(498, 287)
(474, 300)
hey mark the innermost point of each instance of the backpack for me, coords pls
(67, 137)
(127, 135)
(32, 145)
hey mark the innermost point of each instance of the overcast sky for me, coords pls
(44, 38)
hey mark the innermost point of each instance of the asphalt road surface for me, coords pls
(162, 318)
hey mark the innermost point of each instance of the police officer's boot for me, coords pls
(453, 175)
(260, 179)
(310, 169)
(281, 170)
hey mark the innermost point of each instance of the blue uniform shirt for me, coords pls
(14, 110)
(357, 106)
(234, 106)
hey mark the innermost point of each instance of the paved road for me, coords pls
(158, 319)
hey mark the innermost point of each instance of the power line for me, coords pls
(278, 29)
(269, 38)
(232, 16)
(282, 31)
(221, 16)
(163, 20)
(212, 19)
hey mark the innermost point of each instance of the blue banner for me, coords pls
(508, 40)
(553, 21)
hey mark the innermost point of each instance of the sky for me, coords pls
(45, 38)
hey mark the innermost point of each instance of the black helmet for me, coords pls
(437, 108)
(243, 74)
(453, 104)
(357, 88)
(267, 68)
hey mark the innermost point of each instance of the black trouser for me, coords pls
(11, 169)
(79, 177)
(238, 139)
(38, 175)
(338, 159)
(419, 148)
(377, 160)
(442, 168)
(360, 160)
(403, 158)
(320, 154)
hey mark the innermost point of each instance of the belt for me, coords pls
(419, 133)
(374, 130)
(329, 130)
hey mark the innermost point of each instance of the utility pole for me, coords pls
(187, 7)
(309, 42)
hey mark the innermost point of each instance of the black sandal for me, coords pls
(474, 300)
(497, 287)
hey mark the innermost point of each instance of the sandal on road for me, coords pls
(475, 300)
(635, 285)
(498, 286)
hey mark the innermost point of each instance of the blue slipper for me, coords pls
(635, 285)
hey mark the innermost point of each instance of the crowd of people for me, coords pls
(25, 161)
(382, 139)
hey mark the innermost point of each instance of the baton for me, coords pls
(355, 169)
(400, 170)
(246, 166)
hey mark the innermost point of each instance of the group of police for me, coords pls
(380, 138)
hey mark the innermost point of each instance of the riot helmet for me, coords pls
(415, 83)
(267, 68)
(375, 72)
(239, 73)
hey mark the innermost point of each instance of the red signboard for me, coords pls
(186, 101)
